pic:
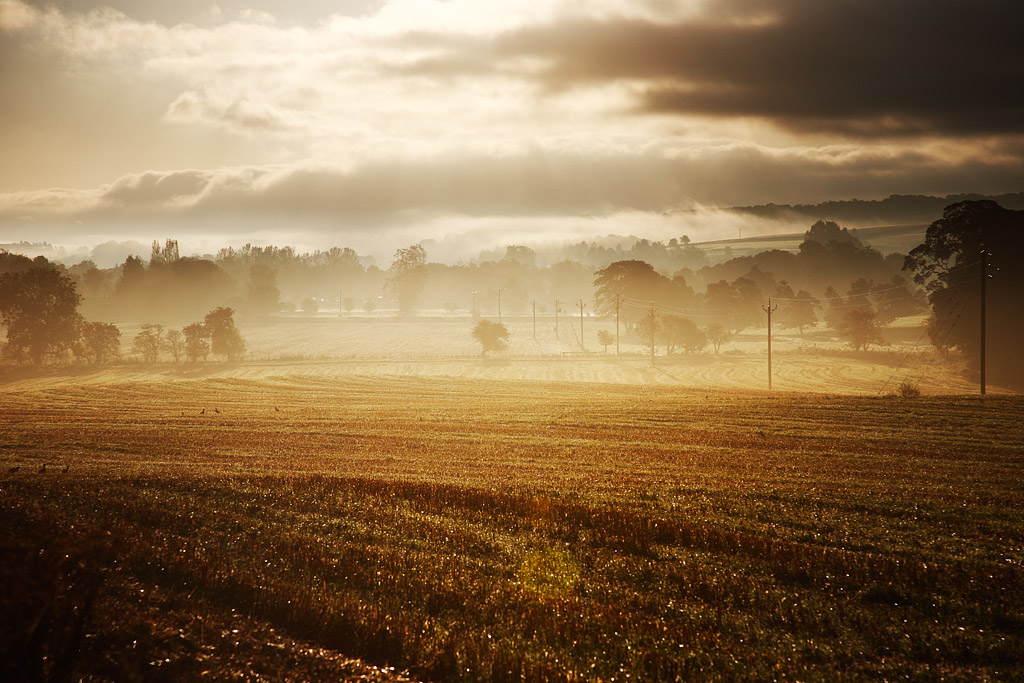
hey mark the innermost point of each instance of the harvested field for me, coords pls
(311, 527)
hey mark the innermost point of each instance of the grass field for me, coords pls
(329, 347)
(345, 527)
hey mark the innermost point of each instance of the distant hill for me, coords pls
(887, 239)
(894, 210)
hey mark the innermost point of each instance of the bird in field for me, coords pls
(66, 468)
(203, 411)
(42, 470)
(276, 409)
(12, 470)
(217, 410)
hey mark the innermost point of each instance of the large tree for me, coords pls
(407, 276)
(39, 308)
(225, 339)
(633, 284)
(148, 342)
(859, 327)
(949, 265)
(197, 341)
(101, 341)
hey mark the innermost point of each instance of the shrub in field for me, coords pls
(908, 390)
(491, 335)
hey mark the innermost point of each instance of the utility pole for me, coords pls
(582, 306)
(534, 320)
(652, 334)
(557, 303)
(618, 302)
(499, 306)
(984, 276)
(769, 310)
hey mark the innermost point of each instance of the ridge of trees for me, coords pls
(833, 277)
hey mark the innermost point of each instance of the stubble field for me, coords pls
(299, 527)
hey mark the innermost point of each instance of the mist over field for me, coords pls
(519, 340)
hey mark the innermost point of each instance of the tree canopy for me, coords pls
(640, 282)
(491, 335)
(39, 307)
(408, 272)
(225, 339)
(949, 265)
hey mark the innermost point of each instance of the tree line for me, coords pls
(39, 309)
(832, 278)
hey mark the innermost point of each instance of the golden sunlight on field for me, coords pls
(337, 527)
(331, 348)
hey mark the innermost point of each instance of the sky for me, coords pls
(376, 124)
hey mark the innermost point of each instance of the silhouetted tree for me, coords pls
(738, 302)
(859, 326)
(263, 296)
(801, 313)
(717, 335)
(407, 276)
(163, 255)
(836, 308)
(225, 339)
(605, 339)
(100, 341)
(948, 264)
(643, 330)
(896, 299)
(520, 254)
(39, 308)
(174, 342)
(491, 335)
(633, 282)
(197, 341)
(828, 232)
(682, 332)
(148, 342)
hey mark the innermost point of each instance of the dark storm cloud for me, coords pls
(856, 67)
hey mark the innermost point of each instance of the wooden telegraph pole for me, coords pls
(618, 302)
(652, 334)
(557, 302)
(769, 310)
(984, 276)
(582, 306)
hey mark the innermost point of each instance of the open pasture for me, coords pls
(327, 347)
(311, 527)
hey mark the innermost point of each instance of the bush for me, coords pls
(908, 390)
